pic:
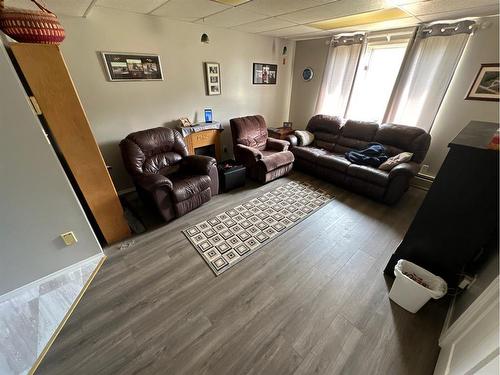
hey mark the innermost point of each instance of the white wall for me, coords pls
(37, 203)
(455, 112)
(116, 109)
(313, 54)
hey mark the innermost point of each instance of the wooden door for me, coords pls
(45, 71)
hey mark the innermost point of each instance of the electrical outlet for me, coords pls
(69, 238)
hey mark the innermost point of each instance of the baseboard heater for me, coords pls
(422, 181)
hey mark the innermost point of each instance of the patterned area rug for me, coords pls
(227, 238)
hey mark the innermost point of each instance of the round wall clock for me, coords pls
(307, 74)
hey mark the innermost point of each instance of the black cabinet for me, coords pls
(458, 220)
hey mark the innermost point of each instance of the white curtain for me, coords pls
(338, 79)
(426, 76)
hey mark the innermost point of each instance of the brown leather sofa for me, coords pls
(164, 174)
(333, 136)
(266, 159)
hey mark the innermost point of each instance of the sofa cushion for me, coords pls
(325, 140)
(308, 153)
(399, 138)
(355, 135)
(326, 130)
(185, 187)
(325, 124)
(370, 174)
(324, 144)
(333, 161)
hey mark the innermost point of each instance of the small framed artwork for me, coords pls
(265, 74)
(132, 66)
(185, 123)
(486, 85)
(212, 77)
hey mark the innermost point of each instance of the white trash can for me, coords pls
(414, 286)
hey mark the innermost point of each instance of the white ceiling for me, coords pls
(280, 18)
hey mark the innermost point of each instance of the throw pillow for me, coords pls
(396, 160)
(304, 137)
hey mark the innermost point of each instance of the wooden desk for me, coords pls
(279, 133)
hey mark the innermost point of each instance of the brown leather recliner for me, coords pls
(164, 174)
(265, 158)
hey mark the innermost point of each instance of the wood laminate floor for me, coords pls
(313, 301)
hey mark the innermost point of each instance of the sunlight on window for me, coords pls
(377, 73)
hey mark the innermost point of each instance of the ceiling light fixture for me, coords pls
(204, 38)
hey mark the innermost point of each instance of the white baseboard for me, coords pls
(422, 181)
(23, 288)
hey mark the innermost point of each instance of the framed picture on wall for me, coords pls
(132, 66)
(486, 85)
(265, 74)
(212, 78)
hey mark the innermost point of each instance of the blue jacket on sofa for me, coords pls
(373, 156)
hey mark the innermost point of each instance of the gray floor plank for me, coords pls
(314, 300)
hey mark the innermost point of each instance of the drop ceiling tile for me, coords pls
(384, 25)
(59, 7)
(456, 14)
(333, 10)
(143, 6)
(232, 17)
(404, 2)
(264, 25)
(189, 9)
(441, 6)
(277, 7)
(312, 36)
(292, 31)
(365, 18)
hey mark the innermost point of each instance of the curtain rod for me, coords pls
(424, 27)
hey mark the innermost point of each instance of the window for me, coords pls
(377, 72)
(378, 87)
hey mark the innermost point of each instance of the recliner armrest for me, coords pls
(277, 159)
(293, 140)
(277, 144)
(249, 152)
(410, 169)
(199, 164)
(151, 182)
